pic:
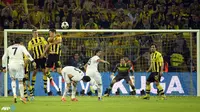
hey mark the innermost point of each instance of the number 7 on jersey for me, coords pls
(15, 49)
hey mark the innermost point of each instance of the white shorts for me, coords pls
(16, 71)
(65, 77)
(95, 75)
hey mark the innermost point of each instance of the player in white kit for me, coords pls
(16, 65)
(92, 71)
(71, 76)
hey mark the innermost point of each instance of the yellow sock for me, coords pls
(48, 75)
(33, 81)
(45, 81)
(25, 92)
(148, 89)
(160, 90)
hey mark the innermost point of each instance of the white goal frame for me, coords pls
(6, 31)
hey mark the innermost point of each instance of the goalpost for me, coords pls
(6, 31)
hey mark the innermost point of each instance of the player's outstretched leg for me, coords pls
(110, 88)
(132, 87)
(13, 85)
(99, 89)
(21, 89)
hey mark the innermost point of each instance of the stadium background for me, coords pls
(178, 49)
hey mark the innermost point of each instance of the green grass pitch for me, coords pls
(108, 104)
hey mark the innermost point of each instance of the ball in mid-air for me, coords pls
(65, 25)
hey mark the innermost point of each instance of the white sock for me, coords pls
(99, 89)
(21, 89)
(73, 91)
(13, 85)
(86, 88)
(64, 94)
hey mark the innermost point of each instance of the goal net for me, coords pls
(179, 49)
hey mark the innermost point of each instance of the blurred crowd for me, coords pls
(100, 14)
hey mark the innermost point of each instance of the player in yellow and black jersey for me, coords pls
(54, 52)
(123, 70)
(37, 46)
(156, 69)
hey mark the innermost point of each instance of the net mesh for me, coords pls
(178, 49)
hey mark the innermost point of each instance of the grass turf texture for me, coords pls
(108, 104)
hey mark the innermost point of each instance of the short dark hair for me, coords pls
(154, 45)
(17, 40)
(75, 53)
(97, 50)
(52, 30)
(86, 79)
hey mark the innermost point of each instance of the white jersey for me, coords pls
(92, 64)
(15, 53)
(75, 72)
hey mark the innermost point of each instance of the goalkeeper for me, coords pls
(123, 70)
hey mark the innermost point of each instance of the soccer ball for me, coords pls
(65, 25)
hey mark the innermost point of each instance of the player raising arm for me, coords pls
(54, 53)
(92, 70)
(15, 53)
(71, 76)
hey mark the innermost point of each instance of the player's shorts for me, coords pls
(53, 59)
(40, 63)
(120, 77)
(16, 71)
(154, 77)
(65, 77)
(95, 75)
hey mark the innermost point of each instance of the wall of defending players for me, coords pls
(174, 83)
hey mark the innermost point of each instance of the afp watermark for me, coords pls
(8, 108)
